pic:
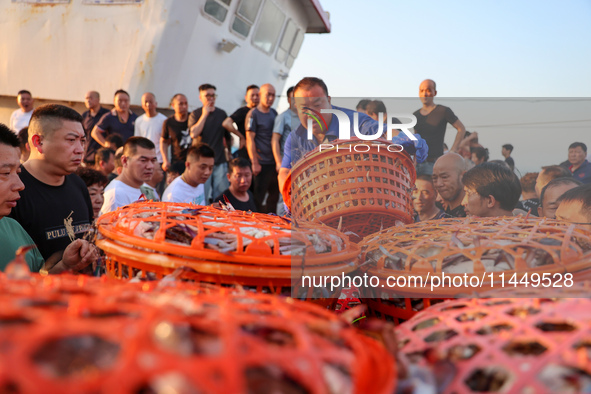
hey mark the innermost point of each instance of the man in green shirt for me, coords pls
(76, 256)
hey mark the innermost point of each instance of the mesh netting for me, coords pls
(360, 192)
(509, 345)
(473, 246)
(73, 334)
(261, 251)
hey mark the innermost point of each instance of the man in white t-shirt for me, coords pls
(21, 117)
(138, 161)
(189, 186)
(149, 125)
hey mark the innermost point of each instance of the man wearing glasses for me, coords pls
(205, 125)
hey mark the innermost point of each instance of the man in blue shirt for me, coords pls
(311, 95)
(579, 166)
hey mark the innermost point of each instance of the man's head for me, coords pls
(56, 136)
(374, 108)
(490, 190)
(207, 94)
(427, 90)
(199, 164)
(95, 182)
(104, 161)
(362, 105)
(175, 170)
(506, 150)
(528, 185)
(447, 176)
(424, 194)
(252, 96)
(290, 99)
(574, 206)
(23, 138)
(240, 174)
(121, 101)
(552, 192)
(10, 182)
(92, 100)
(25, 100)
(311, 96)
(138, 160)
(114, 141)
(149, 104)
(479, 155)
(267, 95)
(180, 104)
(577, 153)
(547, 174)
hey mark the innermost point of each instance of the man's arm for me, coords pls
(97, 134)
(282, 177)
(276, 150)
(459, 126)
(197, 128)
(228, 124)
(252, 152)
(164, 145)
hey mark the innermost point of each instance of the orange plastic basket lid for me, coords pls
(74, 334)
(477, 247)
(505, 345)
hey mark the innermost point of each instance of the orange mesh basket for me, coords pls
(508, 345)
(361, 192)
(264, 252)
(75, 334)
(484, 248)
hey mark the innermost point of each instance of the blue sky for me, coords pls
(501, 48)
(522, 48)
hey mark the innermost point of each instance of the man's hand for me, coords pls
(242, 143)
(256, 169)
(165, 165)
(78, 255)
(208, 109)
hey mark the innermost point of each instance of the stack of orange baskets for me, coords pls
(475, 254)
(508, 345)
(359, 191)
(262, 252)
(76, 334)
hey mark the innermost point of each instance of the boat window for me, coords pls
(41, 1)
(112, 1)
(269, 27)
(295, 48)
(245, 16)
(286, 41)
(217, 8)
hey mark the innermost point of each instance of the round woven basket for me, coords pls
(479, 250)
(76, 334)
(263, 252)
(360, 192)
(505, 345)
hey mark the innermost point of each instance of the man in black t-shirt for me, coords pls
(175, 132)
(240, 177)
(55, 207)
(89, 119)
(432, 120)
(239, 117)
(506, 151)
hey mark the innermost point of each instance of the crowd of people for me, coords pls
(62, 169)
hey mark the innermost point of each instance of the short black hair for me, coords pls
(131, 145)
(480, 152)
(200, 150)
(290, 91)
(92, 177)
(48, 118)
(103, 154)
(7, 136)
(553, 172)
(121, 91)
(580, 194)
(528, 182)
(23, 92)
(509, 147)
(578, 144)
(239, 162)
(116, 139)
(491, 179)
(247, 88)
(557, 182)
(425, 177)
(309, 82)
(23, 137)
(178, 167)
(362, 104)
(206, 86)
(175, 96)
(375, 107)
